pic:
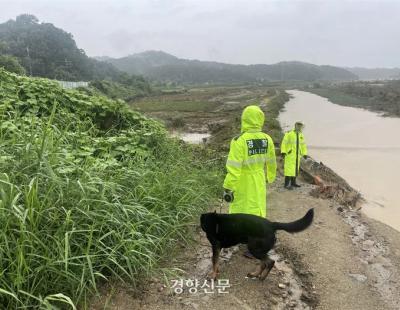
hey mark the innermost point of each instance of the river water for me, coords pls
(361, 146)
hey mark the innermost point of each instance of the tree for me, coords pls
(11, 64)
(27, 19)
(3, 47)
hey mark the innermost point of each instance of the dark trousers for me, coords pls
(290, 181)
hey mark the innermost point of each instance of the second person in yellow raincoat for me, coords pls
(251, 164)
(293, 148)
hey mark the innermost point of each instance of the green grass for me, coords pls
(90, 191)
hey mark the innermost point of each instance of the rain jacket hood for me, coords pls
(252, 119)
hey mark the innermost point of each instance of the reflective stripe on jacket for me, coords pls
(251, 163)
(294, 147)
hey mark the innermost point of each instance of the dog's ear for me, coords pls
(215, 212)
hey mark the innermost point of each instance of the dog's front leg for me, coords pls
(269, 264)
(216, 249)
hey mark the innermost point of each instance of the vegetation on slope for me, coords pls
(128, 88)
(89, 190)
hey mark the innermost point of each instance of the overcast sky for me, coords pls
(335, 32)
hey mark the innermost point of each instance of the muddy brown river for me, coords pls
(359, 145)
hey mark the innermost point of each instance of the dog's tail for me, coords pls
(298, 225)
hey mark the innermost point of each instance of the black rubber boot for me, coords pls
(293, 182)
(288, 183)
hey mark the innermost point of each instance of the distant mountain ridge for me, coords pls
(162, 66)
(375, 73)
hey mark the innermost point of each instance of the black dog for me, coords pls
(226, 230)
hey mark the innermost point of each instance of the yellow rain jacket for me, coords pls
(294, 147)
(251, 162)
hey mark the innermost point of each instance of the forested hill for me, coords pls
(47, 51)
(161, 66)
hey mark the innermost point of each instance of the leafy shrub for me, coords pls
(127, 92)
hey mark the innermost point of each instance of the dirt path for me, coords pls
(343, 261)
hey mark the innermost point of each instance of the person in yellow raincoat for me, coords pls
(251, 164)
(293, 148)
